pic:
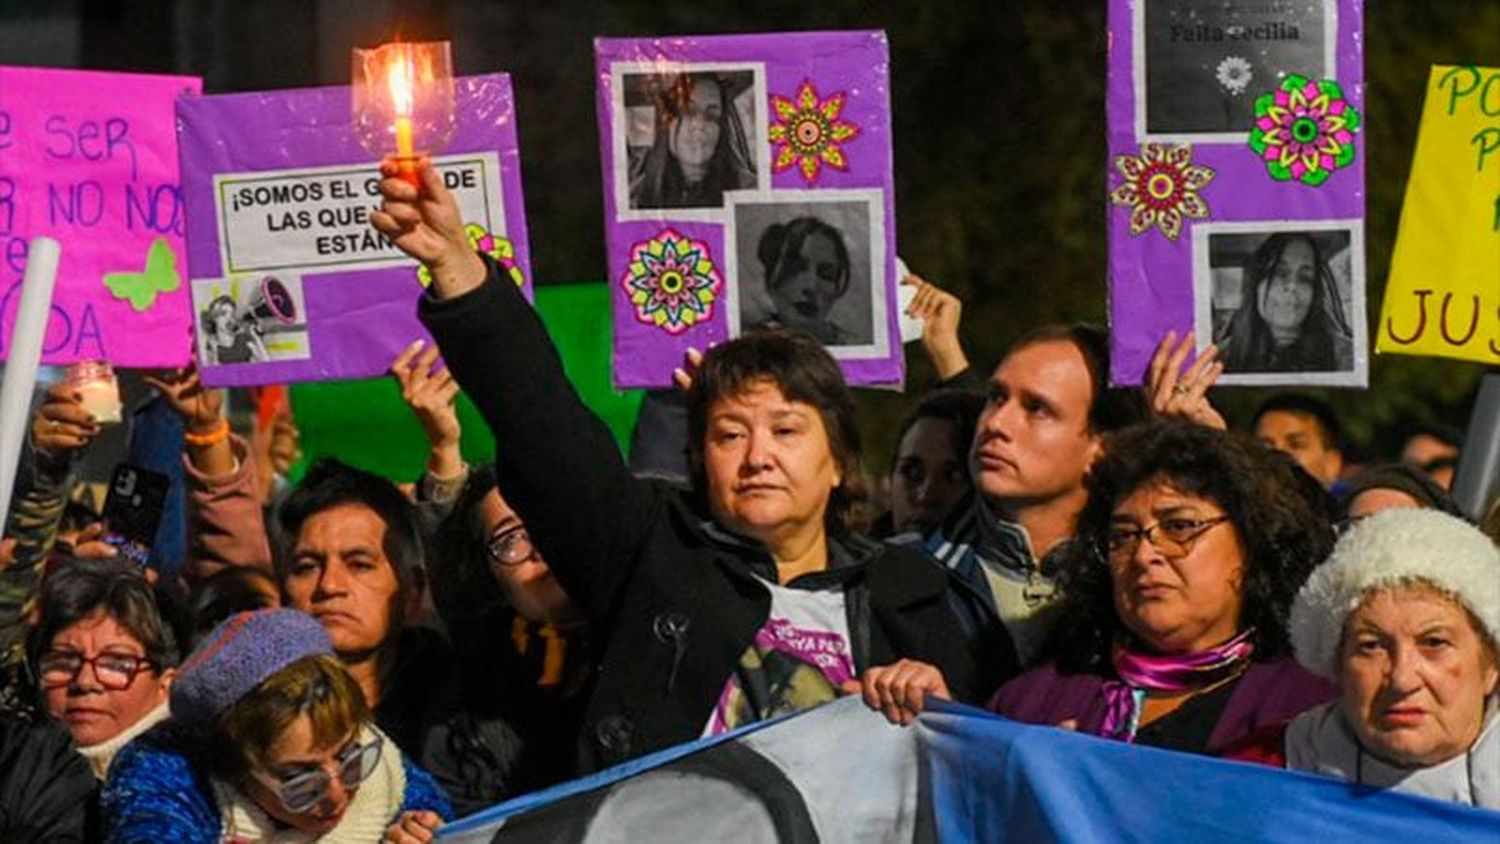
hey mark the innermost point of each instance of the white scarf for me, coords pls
(102, 754)
(372, 810)
(1319, 740)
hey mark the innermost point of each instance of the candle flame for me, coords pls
(399, 78)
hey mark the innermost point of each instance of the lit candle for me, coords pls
(400, 81)
(98, 392)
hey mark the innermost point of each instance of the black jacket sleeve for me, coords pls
(46, 787)
(555, 461)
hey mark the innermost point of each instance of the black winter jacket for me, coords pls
(673, 599)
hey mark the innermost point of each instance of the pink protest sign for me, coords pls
(91, 159)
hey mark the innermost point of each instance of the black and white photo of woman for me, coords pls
(699, 146)
(1291, 317)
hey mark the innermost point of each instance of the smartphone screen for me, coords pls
(133, 510)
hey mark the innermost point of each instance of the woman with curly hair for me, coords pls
(1176, 594)
(1292, 319)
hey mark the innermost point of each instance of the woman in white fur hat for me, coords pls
(1404, 617)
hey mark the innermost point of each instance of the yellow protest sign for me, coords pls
(1443, 294)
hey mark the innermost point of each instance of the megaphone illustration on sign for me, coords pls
(272, 301)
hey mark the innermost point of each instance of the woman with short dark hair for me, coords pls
(748, 597)
(102, 655)
(1176, 593)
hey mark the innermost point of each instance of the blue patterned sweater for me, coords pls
(155, 793)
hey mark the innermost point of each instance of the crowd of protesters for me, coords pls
(350, 659)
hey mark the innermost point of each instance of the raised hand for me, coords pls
(424, 222)
(429, 394)
(683, 376)
(940, 313)
(201, 408)
(1176, 393)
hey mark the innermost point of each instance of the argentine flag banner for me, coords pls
(840, 773)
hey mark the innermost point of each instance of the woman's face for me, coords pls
(295, 752)
(769, 464)
(1414, 676)
(694, 135)
(100, 702)
(928, 479)
(222, 318)
(1287, 295)
(808, 283)
(528, 584)
(1177, 596)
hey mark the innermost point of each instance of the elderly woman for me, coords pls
(1404, 617)
(270, 740)
(1176, 593)
(103, 656)
(749, 596)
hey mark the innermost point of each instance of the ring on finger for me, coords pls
(1181, 390)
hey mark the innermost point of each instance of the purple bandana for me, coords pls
(1140, 673)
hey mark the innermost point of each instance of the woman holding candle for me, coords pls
(747, 597)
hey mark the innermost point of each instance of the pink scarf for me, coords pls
(1176, 673)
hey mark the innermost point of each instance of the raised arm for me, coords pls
(226, 526)
(556, 462)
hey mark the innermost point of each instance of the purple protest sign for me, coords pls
(1236, 179)
(290, 282)
(90, 159)
(747, 183)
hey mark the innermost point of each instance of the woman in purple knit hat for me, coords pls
(270, 740)
(1176, 593)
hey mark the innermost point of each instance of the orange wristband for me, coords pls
(214, 437)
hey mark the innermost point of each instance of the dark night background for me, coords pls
(999, 129)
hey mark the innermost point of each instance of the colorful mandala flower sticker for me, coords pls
(493, 245)
(809, 132)
(672, 282)
(1161, 187)
(1304, 130)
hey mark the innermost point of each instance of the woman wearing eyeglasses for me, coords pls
(1176, 593)
(270, 740)
(522, 649)
(102, 656)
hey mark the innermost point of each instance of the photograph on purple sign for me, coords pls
(810, 260)
(1199, 65)
(1279, 301)
(251, 319)
(684, 134)
(689, 136)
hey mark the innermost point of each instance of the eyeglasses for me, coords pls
(114, 671)
(1173, 537)
(511, 547)
(300, 792)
